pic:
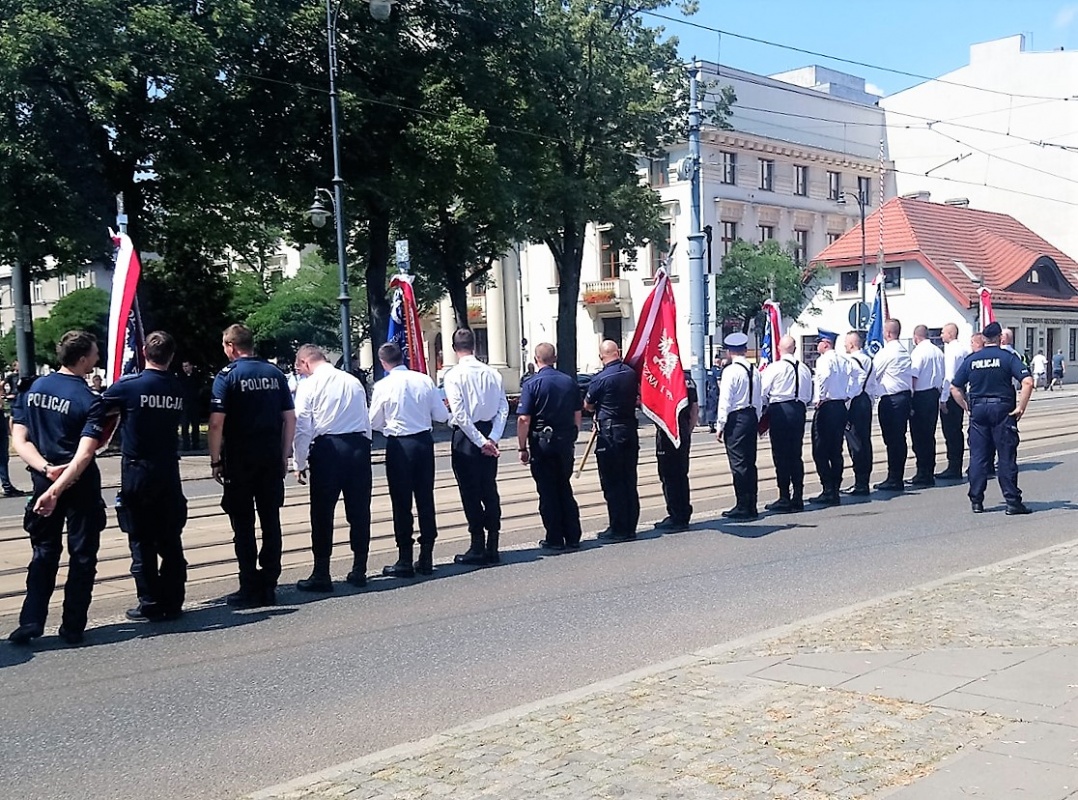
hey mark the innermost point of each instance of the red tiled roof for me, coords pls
(994, 247)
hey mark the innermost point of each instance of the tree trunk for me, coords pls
(457, 290)
(377, 266)
(568, 261)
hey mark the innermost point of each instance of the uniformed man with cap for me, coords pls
(833, 379)
(612, 396)
(58, 423)
(740, 403)
(859, 418)
(673, 464)
(548, 419)
(787, 391)
(952, 416)
(892, 383)
(929, 376)
(983, 386)
(252, 423)
(150, 507)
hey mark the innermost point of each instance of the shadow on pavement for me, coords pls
(1038, 466)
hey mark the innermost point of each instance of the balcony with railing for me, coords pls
(602, 297)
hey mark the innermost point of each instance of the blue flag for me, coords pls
(874, 339)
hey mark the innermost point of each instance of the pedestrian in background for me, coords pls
(929, 376)
(612, 396)
(786, 388)
(984, 387)
(892, 383)
(739, 411)
(190, 422)
(548, 420)
(673, 464)
(711, 393)
(952, 416)
(404, 407)
(332, 453)
(252, 424)
(150, 507)
(478, 410)
(833, 380)
(58, 425)
(1059, 369)
(11, 383)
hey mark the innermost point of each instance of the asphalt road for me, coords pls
(223, 703)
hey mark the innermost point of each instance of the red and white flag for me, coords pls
(655, 356)
(405, 327)
(987, 314)
(126, 338)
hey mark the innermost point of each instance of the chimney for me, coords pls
(923, 195)
(960, 202)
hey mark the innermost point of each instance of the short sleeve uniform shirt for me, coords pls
(150, 405)
(58, 410)
(551, 398)
(252, 394)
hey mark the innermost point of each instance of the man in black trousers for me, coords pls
(892, 383)
(612, 396)
(952, 416)
(478, 409)
(928, 379)
(832, 390)
(405, 404)
(859, 418)
(548, 420)
(787, 392)
(333, 445)
(673, 464)
(740, 405)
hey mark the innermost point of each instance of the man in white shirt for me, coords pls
(951, 414)
(737, 417)
(859, 417)
(929, 376)
(892, 383)
(786, 388)
(1038, 365)
(478, 410)
(332, 448)
(404, 406)
(832, 389)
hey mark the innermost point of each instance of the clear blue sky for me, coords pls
(925, 37)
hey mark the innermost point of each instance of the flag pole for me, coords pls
(588, 449)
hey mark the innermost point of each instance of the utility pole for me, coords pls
(24, 326)
(710, 298)
(697, 284)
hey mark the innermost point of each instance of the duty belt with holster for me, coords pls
(543, 434)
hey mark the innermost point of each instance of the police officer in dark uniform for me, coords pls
(548, 419)
(993, 417)
(252, 423)
(612, 397)
(151, 508)
(673, 464)
(58, 425)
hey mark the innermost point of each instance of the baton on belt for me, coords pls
(588, 449)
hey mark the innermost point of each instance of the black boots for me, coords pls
(320, 580)
(476, 555)
(403, 568)
(424, 565)
(492, 548)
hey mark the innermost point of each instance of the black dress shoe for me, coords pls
(976, 506)
(676, 527)
(857, 491)
(424, 565)
(555, 547)
(356, 578)
(949, 475)
(268, 596)
(24, 634)
(741, 514)
(70, 636)
(921, 483)
(476, 558)
(140, 614)
(245, 598)
(402, 569)
(617, 536)
(572, 545)
(890, 486)
(797, 505)
(780, 506)
(316, 583)
(1018, 509)
(666, 524)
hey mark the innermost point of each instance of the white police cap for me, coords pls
(736, 340)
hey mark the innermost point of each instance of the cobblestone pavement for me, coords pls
(855, 704)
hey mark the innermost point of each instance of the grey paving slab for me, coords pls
(732, 670)
(904, 684)
(1042, 680)
(989, 776)
(855, 663)
(803, 676)
(1038, 741)
(972, 662)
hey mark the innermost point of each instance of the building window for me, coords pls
(801, 246)
(833, 237)
(834, 185)
(612, 329)
(39, 292)
(729, 168)
(849, 281)
(63, 286)
(1034, 276)
(82, 280)
(935, 335)
(864, 190)
(729, 236)
(808, 351)
(767, 232)
(1030, 333)
(1074, 344)
(767, 174)
(892, 277)
(477, 288)
(482, 350)
(801, 180)
(609, 257)
(658, 171)
(659, 252)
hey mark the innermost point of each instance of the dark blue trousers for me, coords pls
(991, 427)
(341, 464)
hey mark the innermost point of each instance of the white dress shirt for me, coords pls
(328, 401)
(892, 370)
(787, 379)
(474, 392)
(954, 353)
(832, 377)
(739, 388)
(1038, 365)
(929, 370)
(406, 402)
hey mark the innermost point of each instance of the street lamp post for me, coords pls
(381, 11)
(862, 201)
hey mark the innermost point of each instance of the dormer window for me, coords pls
(1034, 277)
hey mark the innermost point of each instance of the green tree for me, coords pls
(751, 271)
(84, 309)
(301, 310)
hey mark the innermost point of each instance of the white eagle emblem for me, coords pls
(666, 359)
